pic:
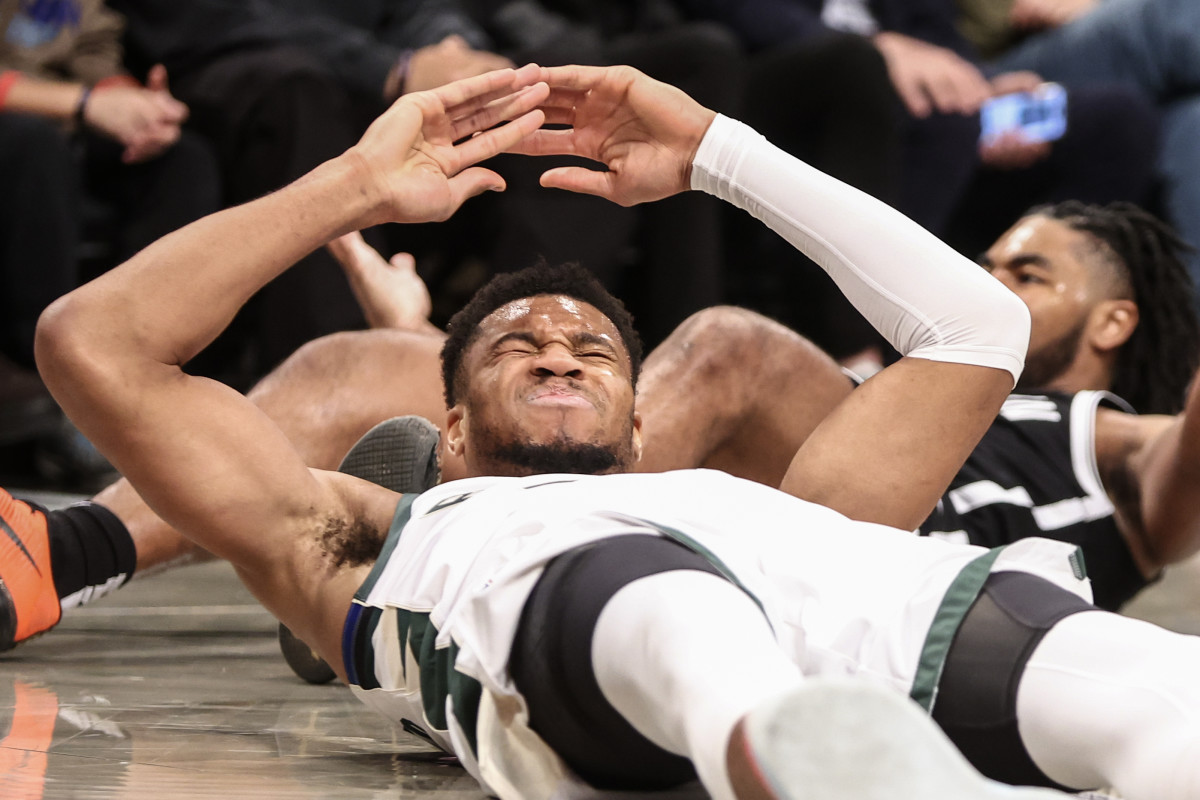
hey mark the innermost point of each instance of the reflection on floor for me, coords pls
(174, 688)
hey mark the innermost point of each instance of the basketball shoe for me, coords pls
(28, 599)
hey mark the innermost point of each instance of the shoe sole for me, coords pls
(838, 739)
(400, 454)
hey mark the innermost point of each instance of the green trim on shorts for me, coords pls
(399, 520)
(957, 601)
(439, 678)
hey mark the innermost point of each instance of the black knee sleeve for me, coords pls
(551, 662)
(977, 695)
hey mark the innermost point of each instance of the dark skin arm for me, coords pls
(203, 457)
(1151, 469)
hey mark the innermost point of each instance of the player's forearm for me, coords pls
(926, 299)
(172, 299)
(1167, 478)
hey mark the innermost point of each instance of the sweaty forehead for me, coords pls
(548, 314)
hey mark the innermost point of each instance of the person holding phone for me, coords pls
(954, 184)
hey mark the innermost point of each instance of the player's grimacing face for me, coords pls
(549, 369)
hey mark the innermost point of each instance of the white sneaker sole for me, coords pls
(840, 739)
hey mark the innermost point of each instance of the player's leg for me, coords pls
(733, 390)
(642, 667)
(604, 627)
(1107, 700)
(1040, 687)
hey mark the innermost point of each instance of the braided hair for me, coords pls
(1156, 364)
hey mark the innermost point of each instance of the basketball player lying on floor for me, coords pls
(1111, 310)
(542, 374)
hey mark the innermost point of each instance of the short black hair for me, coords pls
(1156, 365)
(570, 280)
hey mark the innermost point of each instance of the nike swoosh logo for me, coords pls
(17, 541)
(450, 501)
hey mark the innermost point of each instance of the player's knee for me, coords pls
(724, 340)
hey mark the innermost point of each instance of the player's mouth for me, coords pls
(558, 396)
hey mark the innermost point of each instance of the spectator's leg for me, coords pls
(841, 116)
(1179, 165)
(1151, 43)
(680, 239)
(38, 226)
(274, 114)
(155, 197)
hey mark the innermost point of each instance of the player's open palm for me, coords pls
(645, 132)
(419, 156)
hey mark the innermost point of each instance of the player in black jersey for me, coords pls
(1113, 324)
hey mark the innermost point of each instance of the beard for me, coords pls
(579, 458)
(505, 454)
(1049, 362)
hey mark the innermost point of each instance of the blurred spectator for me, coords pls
(88, 155)
(934, 72)
(1152, 46)
(281, 85)
(277, 89)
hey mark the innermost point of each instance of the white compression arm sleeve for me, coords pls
(927, 300)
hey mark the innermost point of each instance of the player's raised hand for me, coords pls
(645, 132)
(419, 156)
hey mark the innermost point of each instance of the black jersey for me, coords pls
(1034, 474)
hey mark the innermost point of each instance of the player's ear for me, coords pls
(637, 437)
(456, 430)
(1112, 323)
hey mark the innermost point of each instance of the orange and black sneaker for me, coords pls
(28, 600)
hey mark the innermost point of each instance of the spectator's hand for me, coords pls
(1012, 150)
(1034, 14)
(449, 60)
(930, 78)
(1013, 82)
(145, 120)
(645, 132)
(390, 293)
(408, 160)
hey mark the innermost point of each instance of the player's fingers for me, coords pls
(404, 262)
(471, 182)
(547, 143)
(499, 110)
(575, 77)
(498, 140)
(579, 180)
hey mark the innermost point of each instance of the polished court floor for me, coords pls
(174, 688)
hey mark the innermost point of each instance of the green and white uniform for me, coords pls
(429, 637)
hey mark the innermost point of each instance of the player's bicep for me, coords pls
(212, 465)
(889, 451)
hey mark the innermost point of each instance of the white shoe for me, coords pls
(841, 739)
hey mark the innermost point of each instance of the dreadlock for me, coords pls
(1155, 366)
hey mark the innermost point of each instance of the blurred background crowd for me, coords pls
(122, 120)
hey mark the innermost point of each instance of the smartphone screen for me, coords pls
(1040, 115)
